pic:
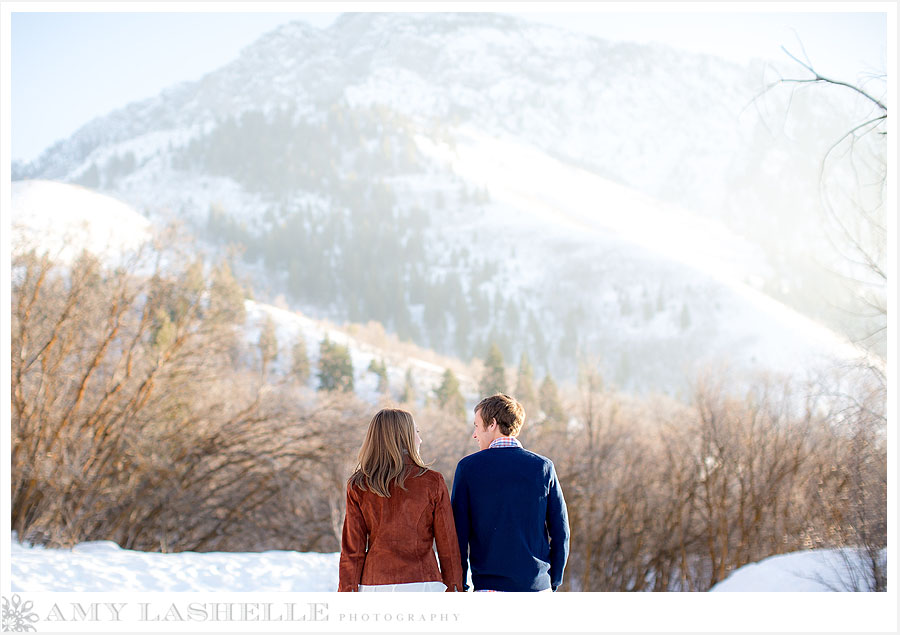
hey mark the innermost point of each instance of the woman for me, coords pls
(396, 510)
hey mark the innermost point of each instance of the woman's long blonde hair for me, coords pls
(382, 459)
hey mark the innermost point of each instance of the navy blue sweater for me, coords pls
(511, 520)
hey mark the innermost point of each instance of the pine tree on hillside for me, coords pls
(409, 390)
(226, 296)
(335, 367)
(554, 414)
(267, 343)
(380, 369)
(448, 395)
(525, 392)
(494, 378)
(300, 361)
(90, 178)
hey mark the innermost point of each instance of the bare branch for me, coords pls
(819, 78)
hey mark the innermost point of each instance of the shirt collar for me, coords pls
(505, 442)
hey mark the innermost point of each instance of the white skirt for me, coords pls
(408, 587)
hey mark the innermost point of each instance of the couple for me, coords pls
(507, 516)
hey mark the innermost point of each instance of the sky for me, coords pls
(69, 67)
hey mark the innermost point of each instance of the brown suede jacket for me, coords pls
(389, 540)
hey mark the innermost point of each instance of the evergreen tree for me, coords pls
(525, 392)
(494, 378)
(226, 296)
(448, 395)
(409, 390)
(335, 367)
(300, 362)
(226, 306)
(91, 177)
(267, 343)
(380, 369)
(550, 402)
(685, 318)
(163, 330)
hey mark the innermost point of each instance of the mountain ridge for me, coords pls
(342, 108)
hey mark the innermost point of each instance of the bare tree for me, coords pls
(853, 191)
(139, 415)
(851, 489)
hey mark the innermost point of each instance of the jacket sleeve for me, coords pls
(558, 528)
(459, 501)
(354, 541)
(445, 538)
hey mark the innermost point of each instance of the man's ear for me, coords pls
(493, 422)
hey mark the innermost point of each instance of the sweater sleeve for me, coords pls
(459, 501)
(354, 541)
(445, 538)
(558, 528)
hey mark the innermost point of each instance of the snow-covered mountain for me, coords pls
(469, 178)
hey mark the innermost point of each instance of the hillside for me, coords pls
(60, 220)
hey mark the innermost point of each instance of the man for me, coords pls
(510, 514)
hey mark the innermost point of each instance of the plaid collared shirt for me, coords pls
(505, 442)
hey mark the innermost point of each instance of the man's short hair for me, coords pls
(509, 413)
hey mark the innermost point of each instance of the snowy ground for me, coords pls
(282, 591)
(815, 570)
(104, 566)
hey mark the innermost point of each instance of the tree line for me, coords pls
(335, 372)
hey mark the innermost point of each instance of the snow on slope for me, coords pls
(575, 200)
(546, 203)
(104, 566)
(569, 203)
(61, 220)
(816, 570)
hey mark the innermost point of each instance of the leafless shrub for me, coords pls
(664, 495)
(850, 488)
(136, 417)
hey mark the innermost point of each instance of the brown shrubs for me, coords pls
(137, 416)
(664, 495)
